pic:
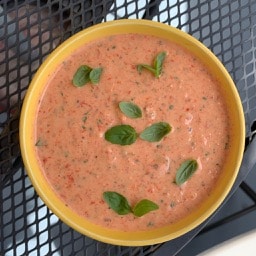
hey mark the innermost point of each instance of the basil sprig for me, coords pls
(86, 74)
(157, 67)
(130, 109)
(155, 132)
(119, 204)
(121, 134)
(126, 135)
(185, 171)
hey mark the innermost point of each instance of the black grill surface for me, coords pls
(31, 29)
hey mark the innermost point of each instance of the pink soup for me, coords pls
(80, 164)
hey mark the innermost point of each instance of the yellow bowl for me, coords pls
(80, 224)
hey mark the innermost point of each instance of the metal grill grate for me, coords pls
(31, 29)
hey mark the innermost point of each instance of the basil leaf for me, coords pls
(81, 77)
(121, 135)
(130, 109)
(117, 202)
(185, 171)
(155, 132)
(148, 67)
(95, 75)
(158, 63)
(144, 206)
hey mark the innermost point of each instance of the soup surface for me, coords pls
(80, 164)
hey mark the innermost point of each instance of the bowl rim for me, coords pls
(105, 235)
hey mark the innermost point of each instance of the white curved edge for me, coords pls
(244, 244)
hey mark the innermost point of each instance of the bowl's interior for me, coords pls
(231, 167)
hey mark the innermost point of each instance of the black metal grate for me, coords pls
(31, 29)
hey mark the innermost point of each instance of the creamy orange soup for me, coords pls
(80, 164)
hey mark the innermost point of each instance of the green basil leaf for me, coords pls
(146, 66)
(81, 77)
(130, 109)
(117, 202)
(40, 143)
(158, 63)
(144, 206)
(95, 75)
(121, 135)
(185, 171)
(157, 67)
(155, 132)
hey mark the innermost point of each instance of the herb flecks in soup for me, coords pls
(176, 173)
